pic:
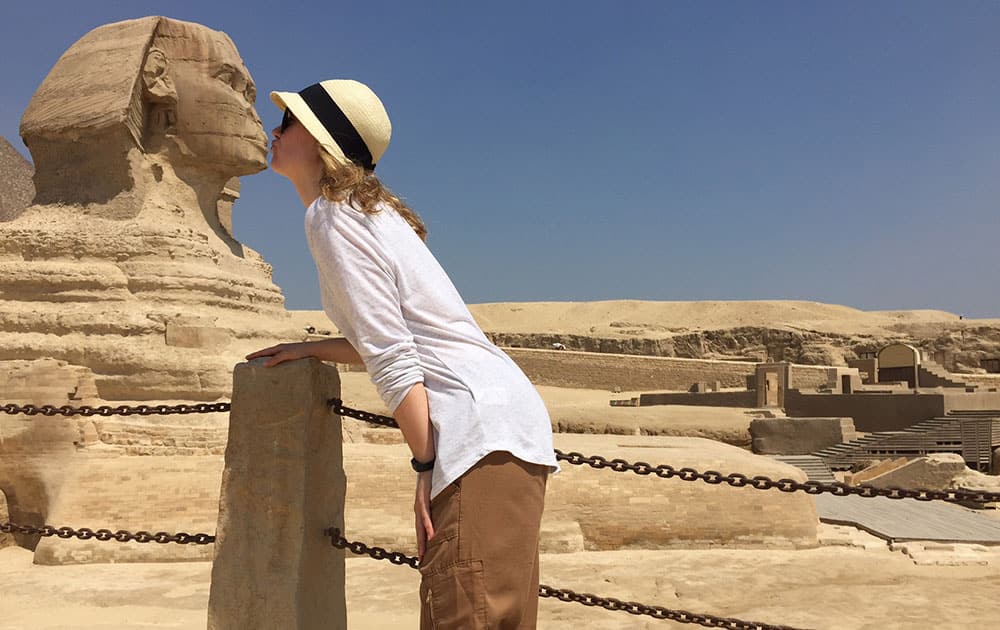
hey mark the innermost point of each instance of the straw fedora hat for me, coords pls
(344, 116)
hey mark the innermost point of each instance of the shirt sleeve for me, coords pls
(362, 299)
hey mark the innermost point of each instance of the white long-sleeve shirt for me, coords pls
(392, 300)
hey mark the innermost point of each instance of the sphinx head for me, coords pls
(134, 95)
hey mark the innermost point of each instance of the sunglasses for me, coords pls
(286, 120)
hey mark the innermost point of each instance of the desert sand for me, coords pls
(666, 317)
(832, 587)
(771, 330)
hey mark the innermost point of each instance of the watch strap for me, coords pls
(422, 466)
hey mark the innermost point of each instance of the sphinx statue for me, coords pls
(122, 281)
(125, 263)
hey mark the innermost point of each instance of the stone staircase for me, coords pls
(932, 374)
(814, 467)
(972, 434)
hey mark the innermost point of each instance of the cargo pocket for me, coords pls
(442, 550)
(455, 598)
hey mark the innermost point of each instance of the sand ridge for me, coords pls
(665, 318)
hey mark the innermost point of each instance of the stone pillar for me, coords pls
(283, 485)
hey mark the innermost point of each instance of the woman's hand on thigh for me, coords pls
(422, 512)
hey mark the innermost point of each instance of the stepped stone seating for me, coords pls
(971, 434)
(934, 472)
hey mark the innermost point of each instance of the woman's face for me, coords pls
(294, 152)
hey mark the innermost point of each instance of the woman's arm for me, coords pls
(413, 416)
(337, 350)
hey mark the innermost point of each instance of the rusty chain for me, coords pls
(377, 553)
(337, 405)
(103, 535)
(121, 410)
(760, 482)
(664, 471)
(736, 480)
(565, 595)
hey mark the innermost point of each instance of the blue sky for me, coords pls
(844, 152)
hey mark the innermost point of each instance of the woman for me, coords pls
(479, 433)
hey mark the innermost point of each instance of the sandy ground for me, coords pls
(826, 588)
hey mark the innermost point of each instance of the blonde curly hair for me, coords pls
(347, 182)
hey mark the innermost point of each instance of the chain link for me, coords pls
(377, 553)
(566, 595)
(760, 482)
(121, 410)
(664, 471)
(103, 535)
(337, 405)
(736, 480)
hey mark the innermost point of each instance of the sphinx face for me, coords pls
(216, 122)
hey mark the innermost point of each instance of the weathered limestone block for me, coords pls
(283, 485)
(208, 337)
(874, 470)
(799, 436)
(39, 382)
(107, 490)
(45, 382)
(934, 472)
(970, 479)
(6, 540)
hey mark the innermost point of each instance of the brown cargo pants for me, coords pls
(481, 568)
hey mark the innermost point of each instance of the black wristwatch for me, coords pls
(422, 466)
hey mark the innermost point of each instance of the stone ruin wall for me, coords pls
(592, 370)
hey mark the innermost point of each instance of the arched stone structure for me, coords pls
(899, 362)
